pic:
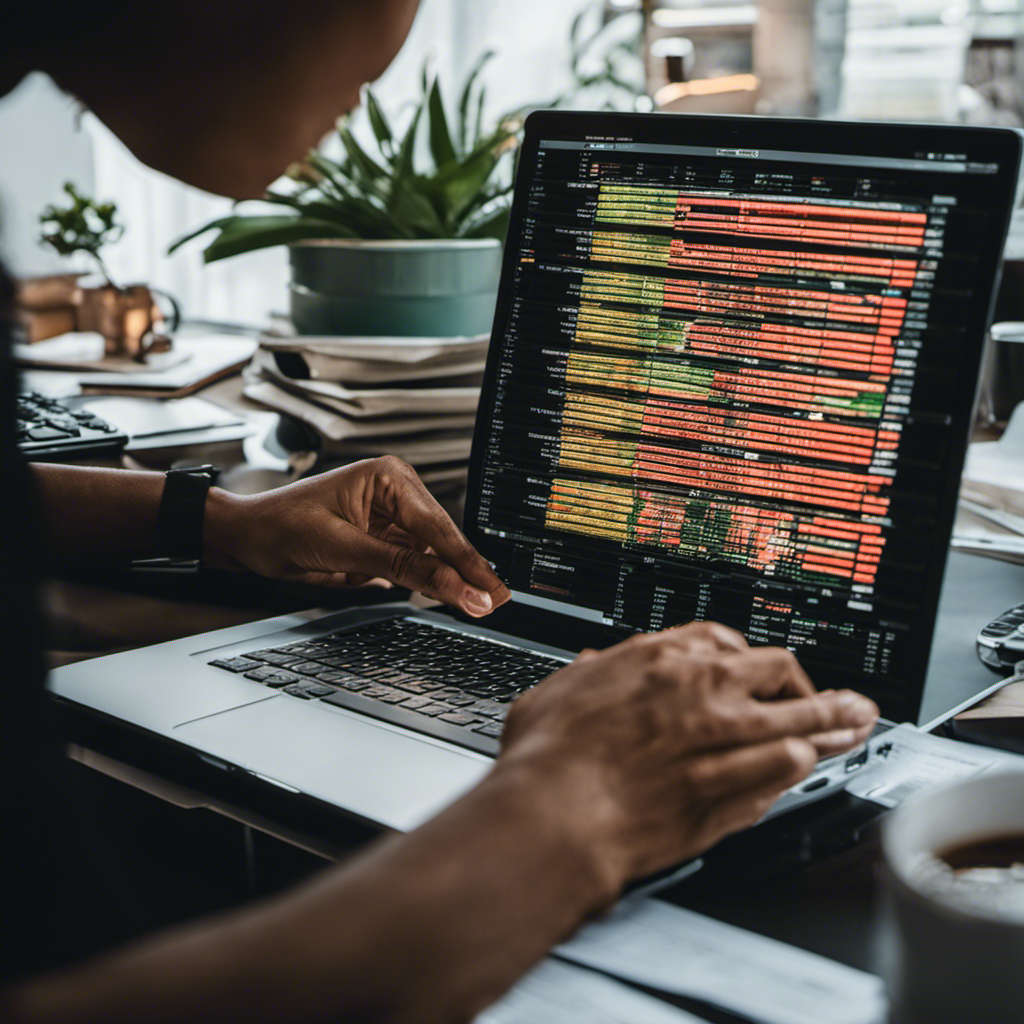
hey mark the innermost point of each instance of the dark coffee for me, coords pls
(997, 852)
(983, 876)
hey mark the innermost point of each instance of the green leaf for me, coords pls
(479, 113)
(415, 209)
(459, 183)
(467, 94)
(368, 168)
(441, 147)
(378, 122)
(220, 222)
(376, 191)
(404, 163)
(491, 225)
(263, 232)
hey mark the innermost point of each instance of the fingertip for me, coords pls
(801, 754)
(858, 709)
(476, 602)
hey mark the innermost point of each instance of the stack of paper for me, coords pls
(991, 515)
(194, 361)
(411, 397)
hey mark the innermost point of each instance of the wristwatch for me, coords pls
(179, 523)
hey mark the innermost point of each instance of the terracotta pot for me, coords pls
(124, 316)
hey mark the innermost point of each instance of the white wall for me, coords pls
(40, 149)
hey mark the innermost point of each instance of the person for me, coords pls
(622, 763)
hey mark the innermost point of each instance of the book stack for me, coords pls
(360, 397)
(47, 306)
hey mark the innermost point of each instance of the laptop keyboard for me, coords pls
(449, 684)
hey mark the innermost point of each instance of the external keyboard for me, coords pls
(432, 678)
(50, 430)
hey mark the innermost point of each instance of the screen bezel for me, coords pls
(983, 145)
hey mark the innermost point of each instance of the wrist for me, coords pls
(560, 804)
(222, 527)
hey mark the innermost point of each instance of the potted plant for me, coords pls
(382, 242)
(124, 316)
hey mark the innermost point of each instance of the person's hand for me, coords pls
(656, 748)
(373, 519)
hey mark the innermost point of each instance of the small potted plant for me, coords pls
(383, 243)
(124, 316)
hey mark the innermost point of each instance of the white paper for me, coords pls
(555, 993)
(201, 357)
(905, 761)
(770, 982)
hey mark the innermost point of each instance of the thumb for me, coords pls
(425, 573)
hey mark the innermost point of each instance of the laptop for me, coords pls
(731, 377)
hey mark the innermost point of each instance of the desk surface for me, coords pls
(830, 904)
(974, 592)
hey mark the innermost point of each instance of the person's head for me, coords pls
(222, 94)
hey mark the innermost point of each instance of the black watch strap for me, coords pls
(179, 524)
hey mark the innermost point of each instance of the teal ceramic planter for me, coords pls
(443, 288)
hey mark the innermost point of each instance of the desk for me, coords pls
(828, 905)
(974, 592)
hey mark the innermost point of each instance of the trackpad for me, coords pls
(386, 775)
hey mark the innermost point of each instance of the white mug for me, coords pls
(951, 964)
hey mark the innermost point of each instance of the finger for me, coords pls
(781, 763)
(416, 511)
(770, 673)
(747, 807)
(426, 574)
(690, 638)
(715, 633)
(831, 743)
(394, 534)
(762, 722)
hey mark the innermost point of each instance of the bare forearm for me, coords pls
(97, 515)
(431, 926)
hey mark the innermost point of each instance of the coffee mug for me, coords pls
(957, 933)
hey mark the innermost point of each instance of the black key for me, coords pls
(319, 691)
(305, 667)
(487, 709)
(490, 729)
(415, 703)
(374, 673)
(353, 684)
(273, 677)
(297, 649)
(265, 672)
(46, 434)
(69, 426)
(296, 691)
(238, 664)
(433, 710)
(458, 718)
(376, 692)
(335, 660)
(333, 676)
(446, 692)
(273, 657)
(419, 686)
(460, 702)
(394, 697)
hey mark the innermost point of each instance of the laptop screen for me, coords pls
(731, 378)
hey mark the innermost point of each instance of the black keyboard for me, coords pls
(431, 678)
(51, 430)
